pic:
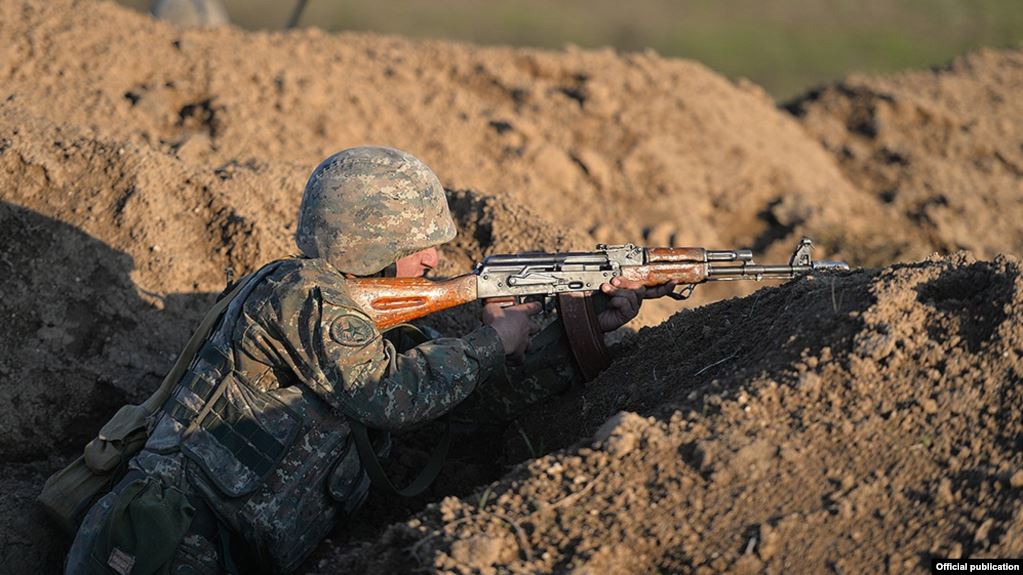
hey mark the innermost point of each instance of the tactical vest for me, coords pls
(233, 432)
(277, 466)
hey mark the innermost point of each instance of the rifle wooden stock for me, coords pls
(392, 301)
(656, 274)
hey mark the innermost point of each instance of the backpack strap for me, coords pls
(160, 396)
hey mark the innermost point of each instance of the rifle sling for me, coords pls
(376, 472)
(368, 455)
(160, 396)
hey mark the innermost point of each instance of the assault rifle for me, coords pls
(571, 278)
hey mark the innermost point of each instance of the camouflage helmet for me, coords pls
(364, 208)
(190, 13)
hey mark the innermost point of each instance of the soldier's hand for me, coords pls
(514, 325)
(626, 298)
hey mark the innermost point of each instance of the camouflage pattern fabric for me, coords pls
(364, 208)
(286, 360)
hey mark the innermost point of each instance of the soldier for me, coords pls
(253, 452)
(190, 13)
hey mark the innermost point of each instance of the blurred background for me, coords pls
(786, 46)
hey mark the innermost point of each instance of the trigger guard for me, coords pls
(684, 293)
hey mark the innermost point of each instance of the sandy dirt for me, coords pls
(940, 148)
(867, 418)
(745, 442)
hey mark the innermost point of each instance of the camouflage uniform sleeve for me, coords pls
(549, 361)
(548, 369)
(361, 374)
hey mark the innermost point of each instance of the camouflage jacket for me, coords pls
(254, 427)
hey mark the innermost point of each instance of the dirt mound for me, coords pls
(114, 327)
(853, 423)
(942, 148)
(141, 166)
(628, 147)
(161, 147)
(90, 336)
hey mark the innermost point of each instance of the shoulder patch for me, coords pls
(352, 330)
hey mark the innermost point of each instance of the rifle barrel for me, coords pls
(768, 271)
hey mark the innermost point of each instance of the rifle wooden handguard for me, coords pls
(655, 274)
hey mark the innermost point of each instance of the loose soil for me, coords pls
(746, 442)
(941, 148)
(868, 418)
